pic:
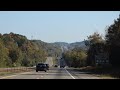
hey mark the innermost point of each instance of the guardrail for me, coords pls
(17, 69)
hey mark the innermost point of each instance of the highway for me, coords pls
(53, 73)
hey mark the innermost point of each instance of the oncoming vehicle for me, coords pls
(41, 67)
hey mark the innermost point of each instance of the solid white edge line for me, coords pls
(70, 74)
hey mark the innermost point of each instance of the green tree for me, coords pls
(95, 43)
(75, 58)
(113, 42)
(4, 59)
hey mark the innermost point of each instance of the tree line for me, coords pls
(17, 50)
(110, 45)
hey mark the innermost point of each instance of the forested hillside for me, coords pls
(109, 47)
(17, 50)
(52, 49)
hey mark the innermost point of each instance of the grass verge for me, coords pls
(103, 72)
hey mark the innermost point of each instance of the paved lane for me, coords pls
(53, 73)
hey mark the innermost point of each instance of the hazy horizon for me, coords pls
(56, 26)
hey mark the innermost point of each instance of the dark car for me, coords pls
(62, 66)
(47, 66)
(55, 65)
(41, 67)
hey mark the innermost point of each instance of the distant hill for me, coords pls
(69, 46)
(50, 48)
(60, 43)
(63, 45)
(78, 44)
(56, 48)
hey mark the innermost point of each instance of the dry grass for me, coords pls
(6, 71)
(103, 72)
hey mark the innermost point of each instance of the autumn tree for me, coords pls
(75, 58)
(4, 59)
(17, 50)
(95, 43)
(113, 42)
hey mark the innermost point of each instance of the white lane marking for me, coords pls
(70, 74)
(13, 75)
(37, 78)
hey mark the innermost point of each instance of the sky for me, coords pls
(56, 26)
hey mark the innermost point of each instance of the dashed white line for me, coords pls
(70, 74)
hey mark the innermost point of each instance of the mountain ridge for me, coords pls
(60, 47)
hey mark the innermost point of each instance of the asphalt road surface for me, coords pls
(53, 73)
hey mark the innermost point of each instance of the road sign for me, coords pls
(102, 58)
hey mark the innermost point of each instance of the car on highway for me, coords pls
(47, 66)
(62, 66)
(55, 65)
(41, 67)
